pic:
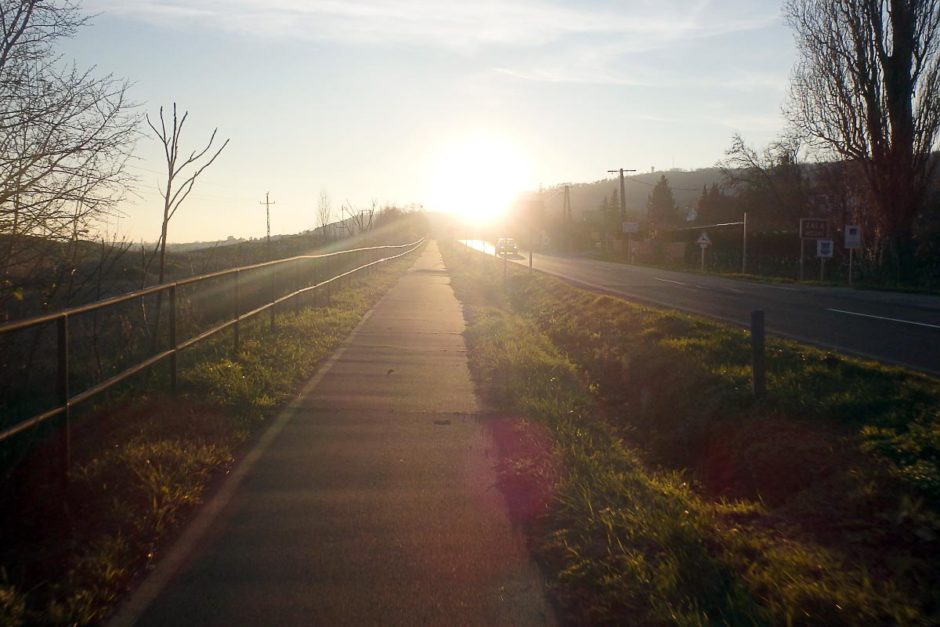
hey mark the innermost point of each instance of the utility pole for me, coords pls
(744, 247)
(267, 202)
(566, 219)
(623, 200)
(536, 214)
(566, 211)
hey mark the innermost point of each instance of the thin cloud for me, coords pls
(453, 24)
(592, 73)
(531, 40)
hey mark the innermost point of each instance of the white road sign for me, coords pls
(853, 236)
(824, 248)
(703, 240)
(631, 227)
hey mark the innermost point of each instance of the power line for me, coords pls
(633, 179)
(705, 226)
(630, 179)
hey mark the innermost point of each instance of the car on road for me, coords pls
(506, 246)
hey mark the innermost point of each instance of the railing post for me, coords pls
(237, 308)
(758, 365)
(297, 297)
(274, 292)
(173, 355)
(317, 299)
(329, 286)
(65, 435)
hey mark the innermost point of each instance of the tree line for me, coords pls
(860, 146)
(863, 113)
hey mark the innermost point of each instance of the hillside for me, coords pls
(686, 188)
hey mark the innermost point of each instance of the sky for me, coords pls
(452, 105)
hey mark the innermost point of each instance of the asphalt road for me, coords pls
(894, 328)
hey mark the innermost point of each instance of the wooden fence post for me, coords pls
(237, 308)
(65, 432)
(758, 365)
(173, 356)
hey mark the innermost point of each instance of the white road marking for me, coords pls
(773, 287)
(855, 313)
(668, 281)
(719, 288)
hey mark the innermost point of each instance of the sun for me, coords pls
(477, 177)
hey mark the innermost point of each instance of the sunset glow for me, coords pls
(477, 177)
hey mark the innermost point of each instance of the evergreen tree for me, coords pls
(714, 207)
(661, 205)
(701, 206)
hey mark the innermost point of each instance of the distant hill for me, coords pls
(686, 187)
(336, 227)
(191, 246)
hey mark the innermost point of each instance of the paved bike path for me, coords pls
(376, 503)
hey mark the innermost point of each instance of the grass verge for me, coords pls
(678, 498)
(144, 460)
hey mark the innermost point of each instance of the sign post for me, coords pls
(758, 363)
(536, 214)
(853, 240)
(811, 228)
(744, 247)
(630, 228)
(823, 251)
(703, 242)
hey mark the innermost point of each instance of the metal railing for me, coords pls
(337, 264)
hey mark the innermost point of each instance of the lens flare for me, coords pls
(477, 178)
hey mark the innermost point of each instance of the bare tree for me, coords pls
(358, 221)
(770, 182)
(866, 88)
(324, 213)
(181, 173)
(65, 137)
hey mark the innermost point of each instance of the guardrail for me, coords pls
(336, 264)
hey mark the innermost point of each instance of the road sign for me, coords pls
(703, 240)
(631, 227)
(814, 228)
(824, 248)
(853, 236)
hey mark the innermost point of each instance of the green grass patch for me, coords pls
(144, 460)
(682, 500)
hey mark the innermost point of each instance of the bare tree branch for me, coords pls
(866, 89)
(175, 192)
(65, 138)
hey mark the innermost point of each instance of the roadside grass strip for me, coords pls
(154, 457)
(679, 499)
